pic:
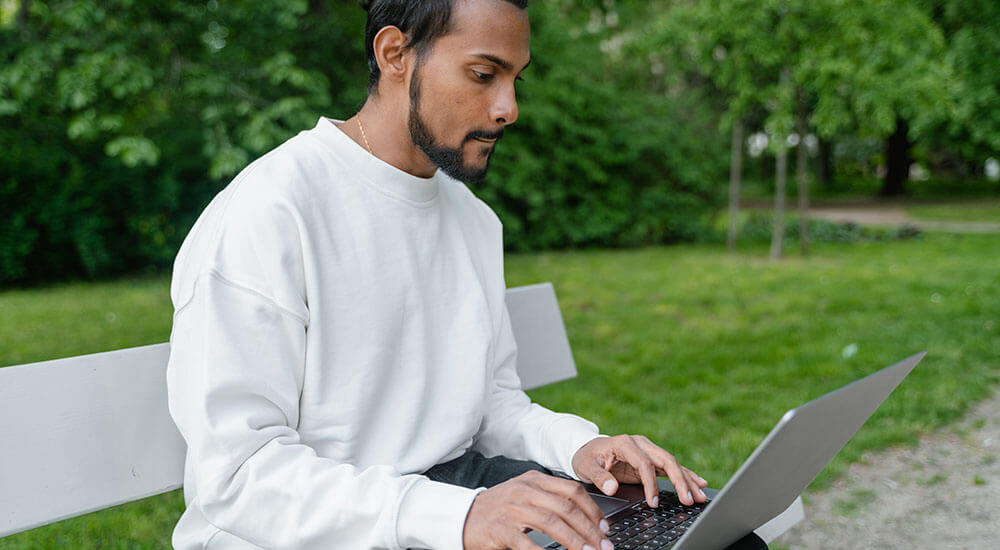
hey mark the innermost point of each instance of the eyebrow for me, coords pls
(507, 65)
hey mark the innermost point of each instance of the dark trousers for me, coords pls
(473, 470)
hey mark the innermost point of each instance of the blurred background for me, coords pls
(659, 146)
(119, 120)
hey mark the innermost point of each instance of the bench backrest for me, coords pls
(85, 433)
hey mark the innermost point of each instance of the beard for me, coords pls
(450, 160)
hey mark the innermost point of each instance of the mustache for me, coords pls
(483, 134)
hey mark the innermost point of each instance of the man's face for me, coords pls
(462, 90)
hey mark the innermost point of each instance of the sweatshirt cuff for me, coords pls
(573, 433)
(432, 515)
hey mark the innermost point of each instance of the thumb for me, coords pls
(593, 471)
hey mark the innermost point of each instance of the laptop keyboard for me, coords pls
(648, 528)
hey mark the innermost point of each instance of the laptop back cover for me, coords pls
(790, 457)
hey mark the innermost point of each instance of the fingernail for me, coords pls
(701, 493)
(588, 547)
(691, 498)
(656, 501)
(606, 545)
(608, 487)
(604, 526)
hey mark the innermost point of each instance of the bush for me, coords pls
(120, 120)
(598, 156)
(758, 227)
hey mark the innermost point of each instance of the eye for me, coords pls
(483, 76)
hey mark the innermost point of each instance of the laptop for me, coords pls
(801, 444)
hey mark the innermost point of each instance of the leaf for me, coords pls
(133, 150)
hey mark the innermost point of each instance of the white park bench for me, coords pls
(86, 433)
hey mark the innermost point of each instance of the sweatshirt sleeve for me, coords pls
(236, 370)
(517, 428)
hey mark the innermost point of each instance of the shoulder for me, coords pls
(468, 204)
(252, 232)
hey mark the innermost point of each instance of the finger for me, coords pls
(642, 463)
(700, 481)
(553, 523)
(688, 491)
(596, 473)
(573, 493)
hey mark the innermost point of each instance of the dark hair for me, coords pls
(423, 21)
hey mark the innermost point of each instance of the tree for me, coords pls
(852, 66)
(119, 119)
(971, 29)
(592, 160)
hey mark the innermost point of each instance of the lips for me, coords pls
(485, 136)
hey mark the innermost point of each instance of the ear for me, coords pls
(392, 54)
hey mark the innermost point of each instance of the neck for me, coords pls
(388, 135)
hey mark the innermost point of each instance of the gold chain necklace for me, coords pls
(363, 136)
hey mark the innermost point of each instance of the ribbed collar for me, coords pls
(375, 172)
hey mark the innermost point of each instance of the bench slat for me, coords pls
(85, 433)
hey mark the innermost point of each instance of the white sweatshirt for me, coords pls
(339, 328)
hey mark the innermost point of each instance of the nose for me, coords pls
(504, 110)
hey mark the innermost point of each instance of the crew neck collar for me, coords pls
(374, 170)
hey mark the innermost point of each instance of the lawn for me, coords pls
(985, 211)
(700, 350)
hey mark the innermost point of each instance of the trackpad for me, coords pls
(608, 505)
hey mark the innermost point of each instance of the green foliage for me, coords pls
(859, 65)
(972, 31)
(120, 119)
(599, 157)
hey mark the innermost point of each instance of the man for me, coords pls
(342, 361)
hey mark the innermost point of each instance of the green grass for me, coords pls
(935, 479)
(961, 212)
(699, 350)
(62, 321)
(854, 188)
(860, 499)
(704, 352)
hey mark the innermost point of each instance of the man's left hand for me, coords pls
(608, 461)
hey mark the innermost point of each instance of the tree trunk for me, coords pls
(897, 161)
(780, 175)
(735, 172)
(825, 168)
(22, 13)
(801, 168)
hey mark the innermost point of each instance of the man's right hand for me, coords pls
(560, 508)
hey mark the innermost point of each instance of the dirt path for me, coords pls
(944, 493)
(890, 215)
